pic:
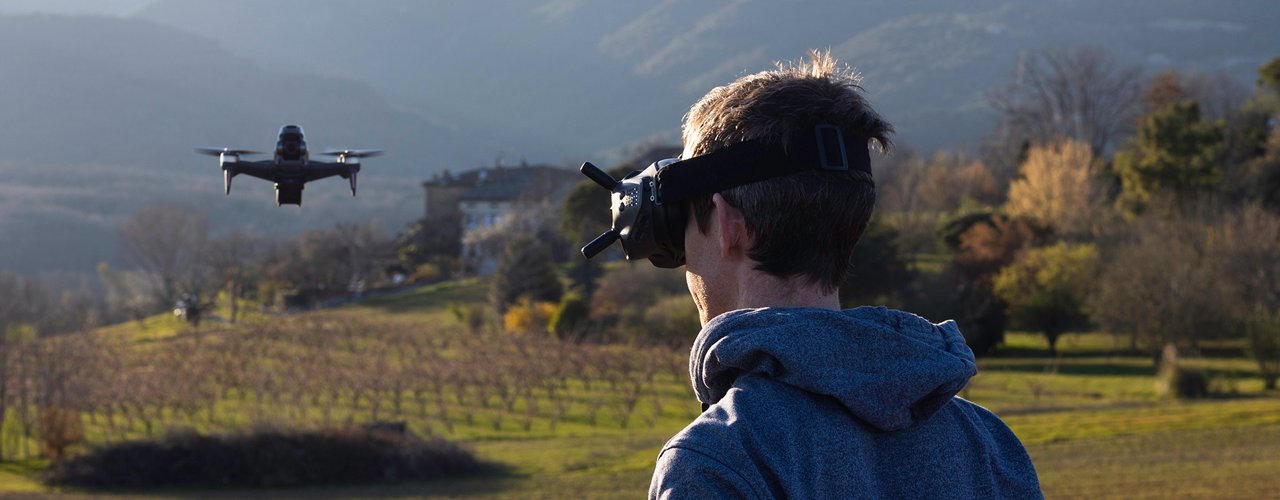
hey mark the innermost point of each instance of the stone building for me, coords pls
(484, 198)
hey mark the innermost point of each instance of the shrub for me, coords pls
(1179, 381)
(526, 316)
(267, 459)
(1263, 330)
(526, 270)
(1187, 383)
(570, 315)
(60, 428)
(426, 273)
(626, 291)
(673, 319)
(473, 316)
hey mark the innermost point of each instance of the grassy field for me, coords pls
(1092, 420)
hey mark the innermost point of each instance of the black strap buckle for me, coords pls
(831, 151)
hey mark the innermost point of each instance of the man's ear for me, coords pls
(734, 240)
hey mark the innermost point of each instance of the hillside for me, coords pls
(584, 66)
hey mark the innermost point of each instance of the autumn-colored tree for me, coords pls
(1045, 288)
(1164, 90)
(1058, 188)
(982, 243)
(987, 246)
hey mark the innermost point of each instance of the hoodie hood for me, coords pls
(889, 368)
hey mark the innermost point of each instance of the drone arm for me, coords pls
(319, 170)
(265, 170)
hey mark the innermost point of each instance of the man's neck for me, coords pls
(757, 289)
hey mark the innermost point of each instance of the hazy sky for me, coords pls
(107, 7)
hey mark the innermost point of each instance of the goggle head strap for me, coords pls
(649, 206)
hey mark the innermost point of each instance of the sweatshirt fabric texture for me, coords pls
(816, 403)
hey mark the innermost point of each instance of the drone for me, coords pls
(292, 167)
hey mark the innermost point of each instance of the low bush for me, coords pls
(1189, 383)
(474, 316)
(526, 316)
(267, 459)
(570, 316)
(672, 320)
(426, 273)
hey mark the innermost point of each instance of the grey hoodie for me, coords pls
(816, 403)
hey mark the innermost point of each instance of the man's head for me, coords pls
(800, 227)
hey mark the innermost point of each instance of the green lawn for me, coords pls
(1091, 418)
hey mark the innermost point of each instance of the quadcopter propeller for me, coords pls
(225, 151)
(352, 158)
(353, 153)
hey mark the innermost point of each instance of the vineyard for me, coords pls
(331, 369)
(569, 416)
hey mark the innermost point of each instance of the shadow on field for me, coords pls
(1084, 369)
(439, 487)
(1032, 352)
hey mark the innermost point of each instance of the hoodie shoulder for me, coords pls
(1011, 467)
(690, 472)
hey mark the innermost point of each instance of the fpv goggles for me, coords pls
(650, 206)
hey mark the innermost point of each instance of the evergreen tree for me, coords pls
(1269, 75)
(1175, 151)
(526, 270)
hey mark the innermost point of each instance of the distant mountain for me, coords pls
(595, 75)
(98, 114)
(109, 91)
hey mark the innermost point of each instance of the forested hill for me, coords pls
(593, 75)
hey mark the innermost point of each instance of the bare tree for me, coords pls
(1170, 283)
(343, 258)
(24, 302)
(233, 258)
(166, 242)
(1082, 94)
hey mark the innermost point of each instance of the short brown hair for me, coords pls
(804, 224)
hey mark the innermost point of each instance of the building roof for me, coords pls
(507, 183)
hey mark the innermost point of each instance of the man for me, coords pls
(804, 400)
